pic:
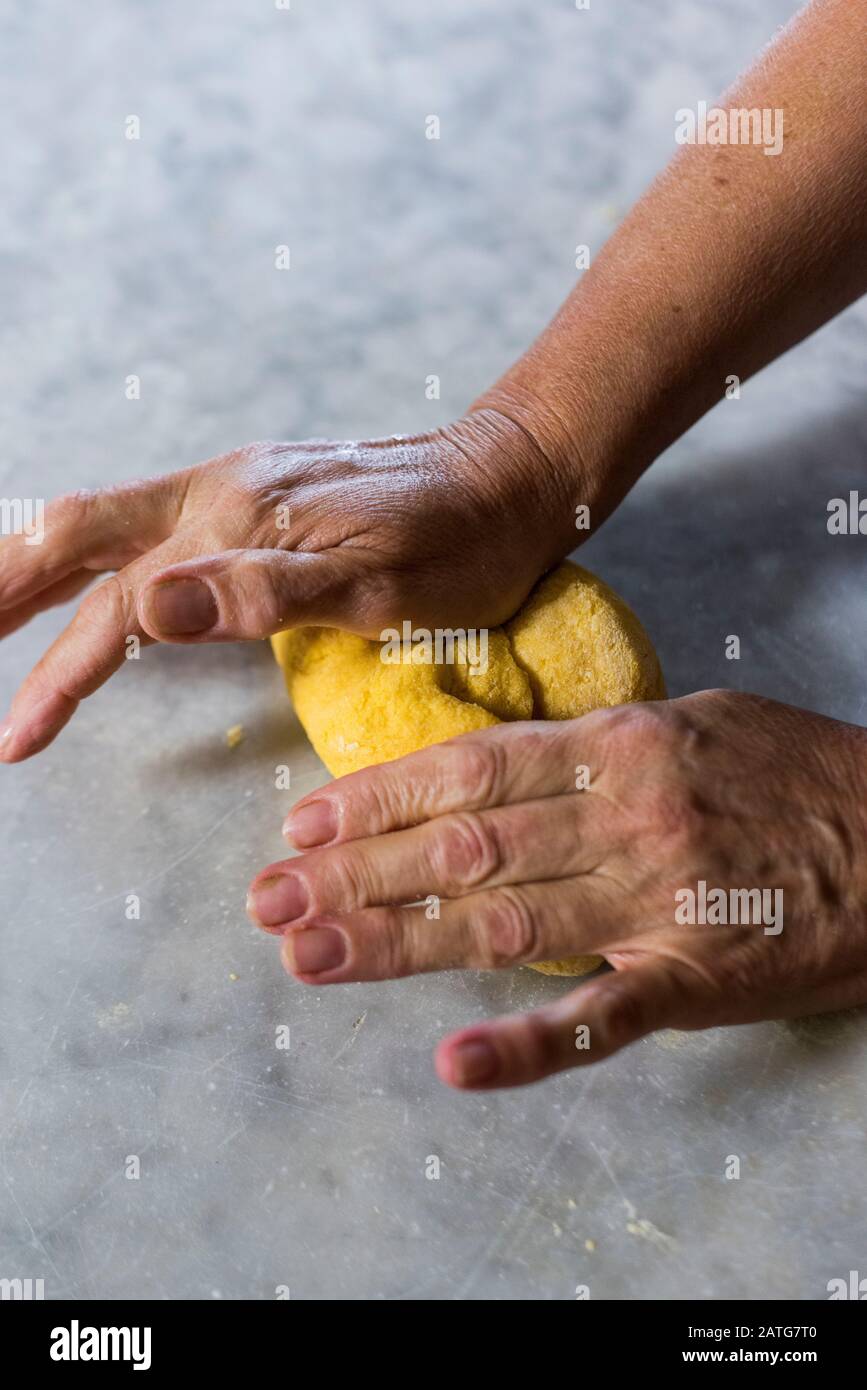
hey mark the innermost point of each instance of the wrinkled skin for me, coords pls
(733, 789)
(456, 527)
(451, 527)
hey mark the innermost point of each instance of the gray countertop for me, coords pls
(262, 1167)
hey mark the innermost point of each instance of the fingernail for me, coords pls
(315, 949)
(314, 823)
(281, 898)
(5, 734)
(475, 1063)
(182, 607)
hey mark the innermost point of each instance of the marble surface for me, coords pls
(261, 1167)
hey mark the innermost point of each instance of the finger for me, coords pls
(450, 856)
(87, 652)
(248, 594)
(588, 1025)
(484, 931)
(65, 589)
(508, 763)
(97, 531)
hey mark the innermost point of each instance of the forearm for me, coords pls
(730, 258)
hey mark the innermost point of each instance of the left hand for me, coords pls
(732, 790)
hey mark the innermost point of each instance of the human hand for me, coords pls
(445, 528)
(732, 790)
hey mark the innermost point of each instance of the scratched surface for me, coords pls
(262, 1167)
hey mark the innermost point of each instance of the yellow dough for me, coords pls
(572, 648)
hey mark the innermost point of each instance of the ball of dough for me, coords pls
(569, 965)
(573, 647)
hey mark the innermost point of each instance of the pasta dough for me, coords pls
(573, 647)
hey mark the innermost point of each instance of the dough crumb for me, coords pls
(118, 1013)
(590, 1245)
(235, 735)
(233, 976)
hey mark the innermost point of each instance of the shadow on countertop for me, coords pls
(740, 545)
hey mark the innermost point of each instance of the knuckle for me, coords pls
(466, 851)
(507, 932)
(715, 698)
(625, 1013)
(642, 728)
(73, 509)
(540, 1047)
(482, 771)
(395, 954)
(268, 602)
(106, 606)
(340, 876)
(251, 589)
(380, 801)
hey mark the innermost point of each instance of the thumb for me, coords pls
(246, 594)
(588, 1025)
